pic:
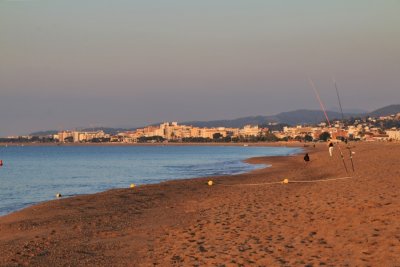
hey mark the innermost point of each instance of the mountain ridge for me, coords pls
(385, 111)
(300, 116)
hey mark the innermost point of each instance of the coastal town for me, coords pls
(383, 128)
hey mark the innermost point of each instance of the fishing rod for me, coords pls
(341, 110)
(327, 119)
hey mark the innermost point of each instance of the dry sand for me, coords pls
(352, 222)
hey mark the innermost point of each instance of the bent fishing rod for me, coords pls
(327, 119)
(341, 110)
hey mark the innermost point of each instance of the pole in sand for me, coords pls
(341, 110)
(327, 119)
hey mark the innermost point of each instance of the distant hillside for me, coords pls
(236, 123)
(385, 111)
(302, 116)
(107, 130)
(349, 110)
(44, 133)
(305, 116)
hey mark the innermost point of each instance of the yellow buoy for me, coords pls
(210, 183)
(58, 195)
(285, 181)
(132, 185)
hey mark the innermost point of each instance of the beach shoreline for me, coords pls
(252, 161)
(267, 144)
(239, 220)
(138, 184)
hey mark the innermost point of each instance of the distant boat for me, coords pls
(245, 145)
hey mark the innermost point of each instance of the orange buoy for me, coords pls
(1, 163)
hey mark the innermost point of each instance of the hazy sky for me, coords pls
(66, 64)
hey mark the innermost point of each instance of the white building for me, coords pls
(393, 134)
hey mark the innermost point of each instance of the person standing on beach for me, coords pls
(306, 158)
(330, 148)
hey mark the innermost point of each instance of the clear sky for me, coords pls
(67, 64)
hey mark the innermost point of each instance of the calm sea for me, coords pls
(34, 174)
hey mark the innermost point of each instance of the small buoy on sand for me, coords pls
(210, 183)
(132, 185)
(285, 181)
(58, 195)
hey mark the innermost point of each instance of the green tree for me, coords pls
(268, 137)
(69, 139)
(298, 138)
(308, 138)
(325, 136)
(217, 136)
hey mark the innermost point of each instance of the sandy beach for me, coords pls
(241, 220)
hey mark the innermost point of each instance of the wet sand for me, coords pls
(239, 221)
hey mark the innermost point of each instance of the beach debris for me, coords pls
(210, 183)
(132, 186)
(58, 195)
(285, 181)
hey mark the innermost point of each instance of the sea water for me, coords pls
(32, 174)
